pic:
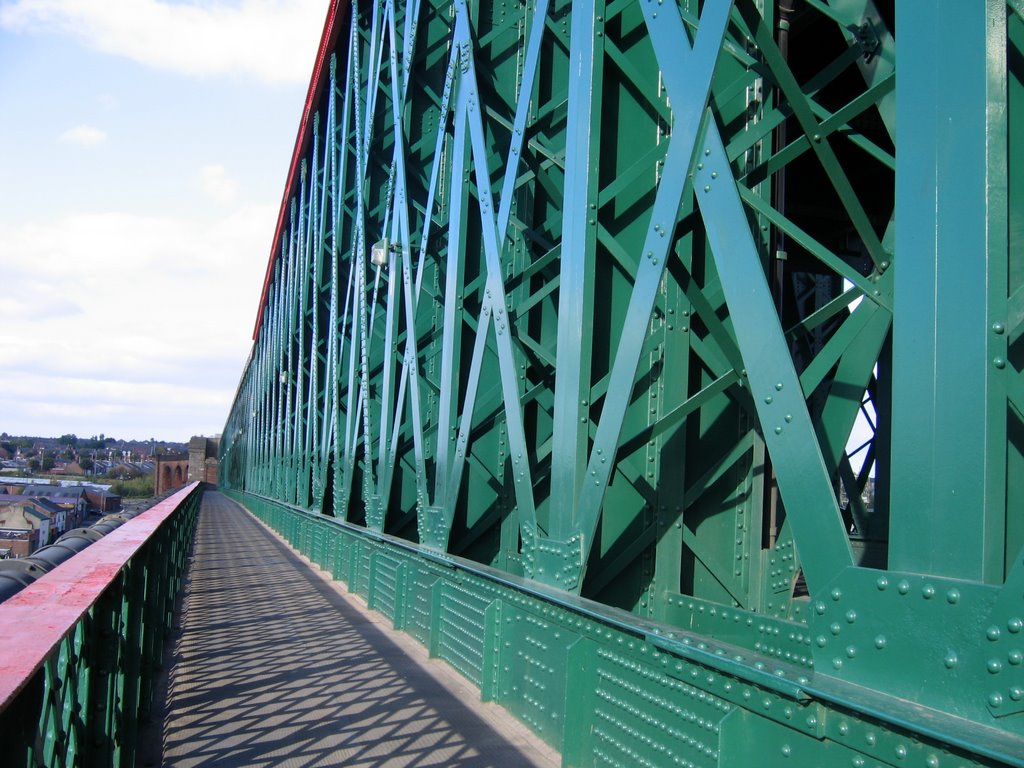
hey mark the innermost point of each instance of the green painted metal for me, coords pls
(659, 322)
(949, 399)
(606, 686)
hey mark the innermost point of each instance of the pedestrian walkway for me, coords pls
(277, 666)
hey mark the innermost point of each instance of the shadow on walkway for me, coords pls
(274, 667)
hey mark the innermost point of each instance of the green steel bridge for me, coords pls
(619, 353)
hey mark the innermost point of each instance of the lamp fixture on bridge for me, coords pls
(379, 252)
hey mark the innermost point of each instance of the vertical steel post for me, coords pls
(949, 345)
(576, 294)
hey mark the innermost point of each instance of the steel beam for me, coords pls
(949, 342)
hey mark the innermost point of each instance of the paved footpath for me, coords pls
(275, 665)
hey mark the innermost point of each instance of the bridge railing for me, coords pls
(82, 645)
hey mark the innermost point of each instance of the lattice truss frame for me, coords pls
(635, 280)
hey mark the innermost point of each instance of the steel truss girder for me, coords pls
(641, 334)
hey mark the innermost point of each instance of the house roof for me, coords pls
(39, 513)
(101, 493)
(50, 505)
(21, 511)
(67, 492)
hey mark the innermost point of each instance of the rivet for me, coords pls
(836, 593)
(999, 363)
(953, 596)
(880, 642)
(998, 328)
(819, 608)
(1015, 625)
(837, 663)
(786, 751)
(882, 584)
(901, 751)
(932, 761)
(903, 587)
(835, 629)
(851, 616)
(994, 666)
(927, 591)
(851, 651)
(1016, 693)
(992, 633)
(950, 660)
(769, 399)
(707, 187)
(1015, 657)
(995, 700)
(778, 386)
(778, 430)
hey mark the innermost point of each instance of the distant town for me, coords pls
(52, 485)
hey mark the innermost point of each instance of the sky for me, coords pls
(144, 148)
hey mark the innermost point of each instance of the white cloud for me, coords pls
(271, 39)
(120, 323)
(217, 185)
(85, 135)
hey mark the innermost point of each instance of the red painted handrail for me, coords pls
(35, 621)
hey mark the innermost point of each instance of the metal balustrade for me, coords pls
(81, 647)
(598, 683)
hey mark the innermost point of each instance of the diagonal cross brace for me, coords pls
(435, 520)
(468, 119)
(696, 64)
(494, 286)
(400, 225)
(802, 477)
